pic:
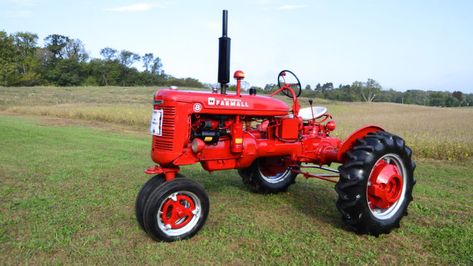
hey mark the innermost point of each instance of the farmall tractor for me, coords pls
(270, 144)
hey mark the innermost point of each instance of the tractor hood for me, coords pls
(231, 104)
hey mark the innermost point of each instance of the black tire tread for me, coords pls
(354, 174)
(144, 193)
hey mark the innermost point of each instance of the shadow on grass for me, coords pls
(314, 199)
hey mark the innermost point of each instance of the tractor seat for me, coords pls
(306, 113)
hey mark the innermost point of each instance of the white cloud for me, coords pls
(138, 7)
(291, 7)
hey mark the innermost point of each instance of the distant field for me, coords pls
(432, 132)
(67, 196)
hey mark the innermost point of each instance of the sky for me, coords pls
(423, 44)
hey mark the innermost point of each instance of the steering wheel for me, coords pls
(289, 79)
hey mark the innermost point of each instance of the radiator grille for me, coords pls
(166, 141)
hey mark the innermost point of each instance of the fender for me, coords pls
(357, 134)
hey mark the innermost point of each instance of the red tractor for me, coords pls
(270, 144)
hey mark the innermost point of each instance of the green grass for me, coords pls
(67, 196)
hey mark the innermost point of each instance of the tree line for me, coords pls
(63, 61)
(372, 91)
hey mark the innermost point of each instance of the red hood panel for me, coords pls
(214, 103)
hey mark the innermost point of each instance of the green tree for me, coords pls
(308, 92)
(8, 60)
(469, 99)
(55, 43)
(270, 87)
(369, 90)
(438, 99)
(69, 72)
(147, 61)
(127, 59)
(27, 65)
(107, 71)
(108, 53)
(26, 44)
(459, 96)
(75, 50)
(157, 67)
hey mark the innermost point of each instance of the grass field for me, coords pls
(68, 180)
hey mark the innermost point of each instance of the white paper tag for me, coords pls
(156, 125)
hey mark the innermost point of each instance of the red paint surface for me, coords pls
(385, 185)
(253, 126)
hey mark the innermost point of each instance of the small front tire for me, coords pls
(144, 193)
(175, 210)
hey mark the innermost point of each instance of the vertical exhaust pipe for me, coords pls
(224, 55)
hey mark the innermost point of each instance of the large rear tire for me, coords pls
(268, 175)
(376, 182)
(175, 210)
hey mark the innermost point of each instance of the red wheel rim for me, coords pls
(177, 211)
(273, 167)
(385, 186)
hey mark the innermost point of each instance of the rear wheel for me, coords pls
(175, 210)
(376, 182)
(268, 175)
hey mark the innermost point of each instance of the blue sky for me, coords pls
(401, 44)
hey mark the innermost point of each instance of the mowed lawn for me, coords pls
(67, 192)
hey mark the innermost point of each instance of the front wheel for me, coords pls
(175, 210)
(376, 182)
(268, 175)
(144, 193)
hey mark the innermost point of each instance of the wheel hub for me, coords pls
(385, 185)
(177, 211)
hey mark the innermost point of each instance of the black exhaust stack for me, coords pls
(224, 55)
